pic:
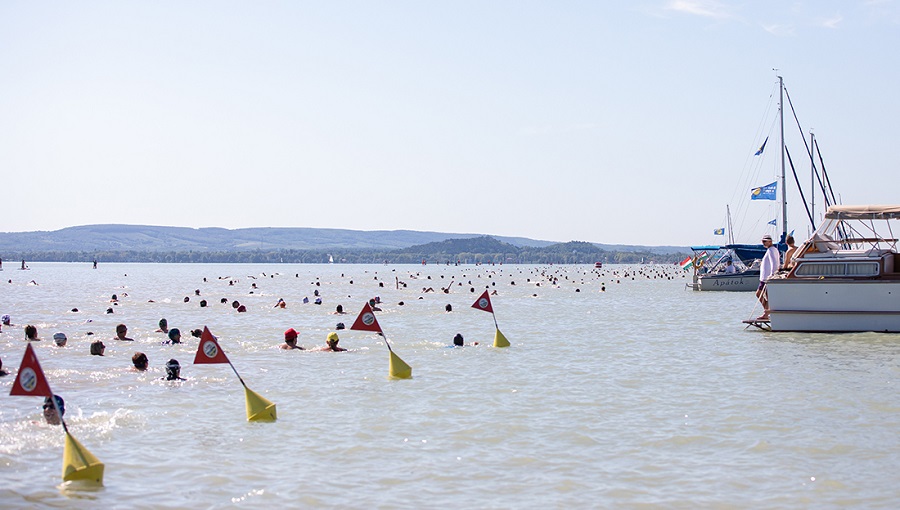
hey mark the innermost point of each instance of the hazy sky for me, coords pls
(605, 121)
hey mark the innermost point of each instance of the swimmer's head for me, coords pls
(175, 335)
(340, 325)
(60, 338)
(163, 324)
(290, 336)
(140, 361)
(6, 320)
(50, 414)
(339, 308)
(196, 333)
(458, 340)
(30, 332)
(97, 348)
(121, 329)
(332, 339)
(173, 370)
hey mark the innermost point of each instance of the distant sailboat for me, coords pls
(330, 259)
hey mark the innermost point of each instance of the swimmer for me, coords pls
(458, 341)
(339, 310)
(448, 308)
(280, 303)
(121, 330)
(51, 416)
(2, 372)
(196, 333)
(173, 371)
(242, 309)
(140, 361)
(97, 348)
(340, 325)
(6, 320)
(174, 337)
(372, 305)
(31, 334)
(290, 340)
(60, 339)
(332, 343)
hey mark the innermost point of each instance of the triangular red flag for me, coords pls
(30, 381)
(209, 351)
(484, 303)
(366, 320)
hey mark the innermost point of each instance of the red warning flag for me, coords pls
(484, 303)
(366, 320)
(30, 381)
(209, 351)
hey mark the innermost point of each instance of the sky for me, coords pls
(602, 121)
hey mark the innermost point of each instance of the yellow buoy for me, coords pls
(259, 408)
(500, 340)
(398, 368)
(80, 464)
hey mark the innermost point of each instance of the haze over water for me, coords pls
(643, 395)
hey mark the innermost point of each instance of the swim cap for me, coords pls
(291, 333)
(340, 325)
(333, 337)
(6, 319)
(59, 338)
(60, 403)
(172, 369)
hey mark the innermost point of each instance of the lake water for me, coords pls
(645, 395)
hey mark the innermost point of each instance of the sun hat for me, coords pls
(767, 237)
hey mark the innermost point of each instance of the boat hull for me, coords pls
(845, 305)
(739, 282)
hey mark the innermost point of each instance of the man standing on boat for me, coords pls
(769, 266)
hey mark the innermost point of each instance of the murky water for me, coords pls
(645, 395)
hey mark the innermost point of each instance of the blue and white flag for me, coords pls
(773, 223)
(766, 192)
(719, 232)
(762, 147)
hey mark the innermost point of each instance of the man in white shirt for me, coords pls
(770, 263)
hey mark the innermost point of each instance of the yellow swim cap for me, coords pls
(333, 337)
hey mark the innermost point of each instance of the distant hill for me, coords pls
(141, 243)
(152, 238)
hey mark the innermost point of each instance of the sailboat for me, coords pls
(714, 273)
(732, 267)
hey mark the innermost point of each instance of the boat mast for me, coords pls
(783, 179)
(812, 179)
(730, 232)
